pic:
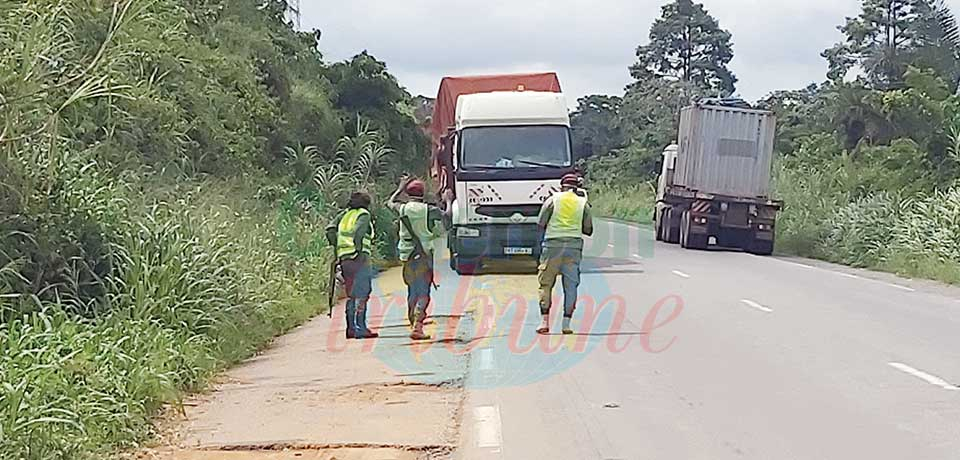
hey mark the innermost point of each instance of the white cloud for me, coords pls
(589, 43)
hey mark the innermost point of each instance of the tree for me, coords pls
(363, 88)
(798, 115)
(890, 35)
(651, 110)
(596, 125)
(687, 44)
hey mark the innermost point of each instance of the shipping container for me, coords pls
(725, 151)
(715, 182)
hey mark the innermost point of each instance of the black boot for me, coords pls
(351, 315)
(363, 332)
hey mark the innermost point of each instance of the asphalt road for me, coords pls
(712, 355)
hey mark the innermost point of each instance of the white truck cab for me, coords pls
(511, 149)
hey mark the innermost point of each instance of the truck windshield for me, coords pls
(509, 147)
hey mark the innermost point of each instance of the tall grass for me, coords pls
(147, 237)
(203, 282)
(632, 203)
(850, 211)
(917, 236)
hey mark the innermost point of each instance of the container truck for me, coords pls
(715, 181)
(500, 146)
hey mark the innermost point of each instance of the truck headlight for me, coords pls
(467, 232)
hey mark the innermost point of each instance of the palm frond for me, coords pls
(948, 25)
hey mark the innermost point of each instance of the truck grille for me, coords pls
(527, 210)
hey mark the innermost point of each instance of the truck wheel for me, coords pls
(453, 264)
(671, 226)
(687, 239)
(658, 225)
(760, 247)
(465, 266)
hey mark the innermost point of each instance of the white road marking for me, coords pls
(753, 304)
(850, 275)
(931, 379)
(611, 245)
(486, 359)
(797, 264)
(488, 429)
(681, 274)
(638, 256)
(901, 287)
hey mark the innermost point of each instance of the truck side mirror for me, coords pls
(447, 146)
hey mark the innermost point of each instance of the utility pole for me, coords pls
(294, 8)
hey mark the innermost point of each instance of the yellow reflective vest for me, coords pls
(567, 218)
(346, 230)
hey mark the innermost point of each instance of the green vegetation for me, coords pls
(166, 167)
(629, 203)
(868, 168)
(687, 44)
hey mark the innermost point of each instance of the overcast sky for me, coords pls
(777, 43)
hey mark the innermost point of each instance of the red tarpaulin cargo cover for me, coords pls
(451, 88)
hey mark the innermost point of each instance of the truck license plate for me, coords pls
(518, 251)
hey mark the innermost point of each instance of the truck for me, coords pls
(715, 181)
(501, 143)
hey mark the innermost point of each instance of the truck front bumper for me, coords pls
(495, 240)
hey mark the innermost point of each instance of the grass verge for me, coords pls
(629, 203)
(200, 282)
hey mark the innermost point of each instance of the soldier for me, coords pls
(564, 219)
(420, 226)
(352, 235)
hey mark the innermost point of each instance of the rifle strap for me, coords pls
(417, 244)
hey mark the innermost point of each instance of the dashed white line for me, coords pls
(638, 256)
(488, 429)
(929, 378)
(611, 246)
(681, 274)
(756, 305)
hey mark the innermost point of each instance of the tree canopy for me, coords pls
(888, 36)
(688, 44)
(596, 125)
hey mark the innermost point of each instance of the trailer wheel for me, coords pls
(760, 247)
(689, 240)
(671, 226)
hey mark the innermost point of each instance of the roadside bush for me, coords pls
(200, 284)
(144, 238)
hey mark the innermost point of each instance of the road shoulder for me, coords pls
(315, 395)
